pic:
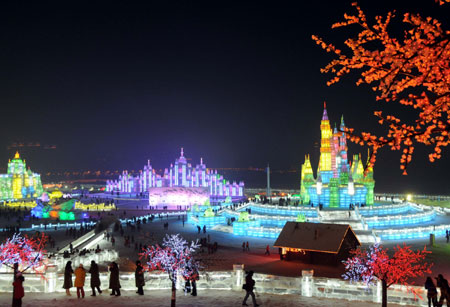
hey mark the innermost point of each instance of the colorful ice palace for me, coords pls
(180, 174)
(19, 182)
(338, 183)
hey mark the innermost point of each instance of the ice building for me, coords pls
(19, 182)
(338, 182)
(179, 174)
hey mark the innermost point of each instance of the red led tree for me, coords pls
(22, 253)
(26, 252)
(413, 71)
(174, 257)
(375, 263)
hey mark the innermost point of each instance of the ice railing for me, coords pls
(58, 262)
(384, 209)
(406, 219)
(412, 232)
(306, 285)
(283, 210)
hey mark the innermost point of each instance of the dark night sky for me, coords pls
(112, 84)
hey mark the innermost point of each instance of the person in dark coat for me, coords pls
(139, 277)
(95, 278)
(431, 292)
(114, 283)
(18, 290)
(442, 283)
(195, 276)
(248, 287)
(68, 271)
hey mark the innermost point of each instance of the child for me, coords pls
(18, 290)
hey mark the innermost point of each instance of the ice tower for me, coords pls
(338, 184)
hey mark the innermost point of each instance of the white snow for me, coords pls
(162, 298)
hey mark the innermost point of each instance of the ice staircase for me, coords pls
(351, 218)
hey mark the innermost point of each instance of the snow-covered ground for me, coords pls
(162, 298)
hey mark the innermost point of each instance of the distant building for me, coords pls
(179, 174)
(19, 182)
(338, 183)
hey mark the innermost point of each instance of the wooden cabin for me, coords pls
(316, 243)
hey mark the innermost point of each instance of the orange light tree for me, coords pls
(413, 71)
(375, 264)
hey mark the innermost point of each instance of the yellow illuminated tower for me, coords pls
(326, 140)
(307, 179)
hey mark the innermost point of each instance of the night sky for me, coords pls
(108, 85)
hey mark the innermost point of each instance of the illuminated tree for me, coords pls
(375, 263)
(413, 71)
(173, 257)
(27, 252)
(22, 253)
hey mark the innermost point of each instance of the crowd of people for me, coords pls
(80, 277)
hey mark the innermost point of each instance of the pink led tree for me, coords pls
(27, 252)
(375, 263)
(22, 253)
(173, 257)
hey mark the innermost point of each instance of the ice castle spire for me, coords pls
(325, 114)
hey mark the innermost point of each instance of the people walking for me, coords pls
(248, 287)
(80, 277)
(247, 247)
(114, 283)
(195, 276)
(243, 246)
(139, 277)
(442, 283)
(19, 292)
(68, 271)
(267, 250)
(431, 292)
(95, 278)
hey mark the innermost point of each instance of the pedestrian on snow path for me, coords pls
(80, 277)
(139, 277)
(95, 278)
(248, 287)
(68, 271)
(19, 292)
(442, 283)
(431, 292)
(114, 283)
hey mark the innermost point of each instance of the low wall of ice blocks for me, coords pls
(283, 210)
(412, 232)
(385, 209)
(264, 232)
(241, 228)
(400, 220)
(308, 286)
(211, 221)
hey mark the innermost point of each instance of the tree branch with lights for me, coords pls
(413, 71)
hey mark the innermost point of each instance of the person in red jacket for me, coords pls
(18, 290)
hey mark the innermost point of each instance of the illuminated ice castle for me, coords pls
(338, 183)
(19, 182)
(180, 174)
